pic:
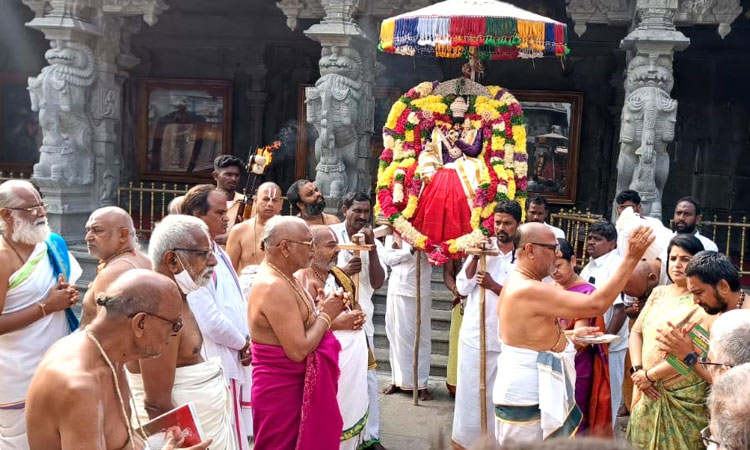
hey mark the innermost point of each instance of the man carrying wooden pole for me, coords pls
(481, 280)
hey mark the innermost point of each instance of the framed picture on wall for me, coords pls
(20, 133)
(553, 132)
(182, 126)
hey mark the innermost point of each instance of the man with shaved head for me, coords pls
(79, 395)
(348, 330)
(110, 237)
(290, 334)
(243, 245)
(533, 392)
(37, 276)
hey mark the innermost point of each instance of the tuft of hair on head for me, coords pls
(729, 407)
(293, 195)
(729, 339)
(692, 200)
(278, 228)
(174, 231)
(354, 196)
(605, 229)
(224, 161)
(196, 200)
(711, 267)
(628, 195)
(510, 207)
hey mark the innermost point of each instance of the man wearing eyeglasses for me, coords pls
(180, 249)
(110, 237)
(37, 276)
(357, 209)
(79, 397)
(605, 259)
(536, 370)
(221, 309)
(243, 246)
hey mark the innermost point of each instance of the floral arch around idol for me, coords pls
(448, 160)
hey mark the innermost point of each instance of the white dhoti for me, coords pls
(467, 429)
(534, 395)
(247, 278)
(400, 323)
(13, 429)
(352, 392)
(204, 385)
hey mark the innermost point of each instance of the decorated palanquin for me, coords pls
(451, 153)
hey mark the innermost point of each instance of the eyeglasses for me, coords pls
(36, 210)
(708, 439)
(705, 362)
(308, 243)
(203, 253)
(553, 247)
(176, 324)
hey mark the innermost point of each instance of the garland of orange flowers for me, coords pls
(409, 125)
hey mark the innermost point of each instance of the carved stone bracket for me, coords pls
(686, 13)
(149, 9)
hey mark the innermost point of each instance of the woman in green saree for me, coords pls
(669, 409)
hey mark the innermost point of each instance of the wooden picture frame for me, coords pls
(553, 136)
(20, 132)
(182, 126)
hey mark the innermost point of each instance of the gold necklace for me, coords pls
(93, 339)
(318, 276)
(293, 284)
(525, 273)
(741, 301)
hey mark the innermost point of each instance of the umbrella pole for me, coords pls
(417, 332)
(482, 351)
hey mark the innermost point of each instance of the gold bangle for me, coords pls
(44, 312)
(326, 318)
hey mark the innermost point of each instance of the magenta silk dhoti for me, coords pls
(294, 403)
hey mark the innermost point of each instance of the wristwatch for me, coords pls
(691, 359)
(635, 369)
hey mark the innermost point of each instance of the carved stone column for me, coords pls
(340, 106)
(78, 98)
(649, 113)
(257, 96)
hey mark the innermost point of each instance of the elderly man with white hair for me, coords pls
(37, 274)
(180, 249)
(728, 345)
(729, 404)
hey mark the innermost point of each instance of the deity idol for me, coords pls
(444, 210)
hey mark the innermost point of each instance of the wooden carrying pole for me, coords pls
(482, 253)
(418, 330)
(356, 247)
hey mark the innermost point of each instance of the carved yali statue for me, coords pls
(334, 108)
(59, 94)
(648, 121)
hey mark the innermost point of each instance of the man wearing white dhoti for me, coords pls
(221, 310)
(348, 330)
(243, 245)
(180, 249)
(534, 391)
(467, 428)
(37, 274)
(401, 313)
(372, 274)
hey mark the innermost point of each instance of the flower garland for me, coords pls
(409, 126)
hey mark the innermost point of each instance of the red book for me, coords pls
(183, 417)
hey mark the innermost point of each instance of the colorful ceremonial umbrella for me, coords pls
(474, 29)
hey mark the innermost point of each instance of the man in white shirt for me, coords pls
(687, 216)
(605, 260)
(467, 429)
(537, 210)
(220, 308)
(356, 209)
(401, 313)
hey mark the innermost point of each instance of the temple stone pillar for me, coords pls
(340, 105)
(649, 113)
(78, 99)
